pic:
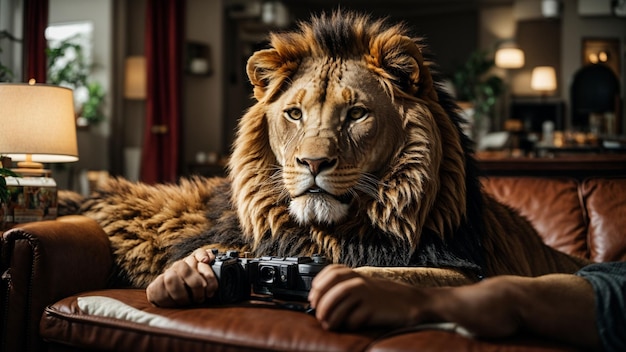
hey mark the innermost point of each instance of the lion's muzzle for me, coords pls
(317, 165)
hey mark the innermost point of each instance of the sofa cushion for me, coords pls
(552, 205)
(605, 201)
(235, 328)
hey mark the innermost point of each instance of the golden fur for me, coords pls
(353, 151)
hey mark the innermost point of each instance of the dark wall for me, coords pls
(450, 30)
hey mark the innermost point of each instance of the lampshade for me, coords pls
(135, 78)
(509, 58)
(37, 121)
(543, 78)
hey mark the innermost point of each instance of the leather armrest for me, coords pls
(44, 262)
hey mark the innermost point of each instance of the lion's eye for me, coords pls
(357, 113)
(293, 113)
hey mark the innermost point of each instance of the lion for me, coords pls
(353, 150)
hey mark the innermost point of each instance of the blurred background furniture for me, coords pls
(595, 98)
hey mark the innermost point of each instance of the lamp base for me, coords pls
(27, 164)
(29, 167)
(32, 172)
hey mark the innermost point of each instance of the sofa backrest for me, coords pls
(584, 218)
(605, 204)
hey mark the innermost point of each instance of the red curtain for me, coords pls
(164, 49)
(35, 23)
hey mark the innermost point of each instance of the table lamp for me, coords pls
(543, 79)
(37, 125)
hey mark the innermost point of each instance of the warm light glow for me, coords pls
(509, 58)
(38, 123)
(135, 78)
(543, 78)
(601, 56)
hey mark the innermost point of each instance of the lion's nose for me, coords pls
(317, 165)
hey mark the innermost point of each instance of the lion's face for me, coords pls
(333, 131)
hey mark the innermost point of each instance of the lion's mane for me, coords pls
(431, 184)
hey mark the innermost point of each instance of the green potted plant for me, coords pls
(69, 67)
(92, 108)
(475, 85)
(4, 190)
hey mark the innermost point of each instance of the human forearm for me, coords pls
(556, 306)
(560, 306)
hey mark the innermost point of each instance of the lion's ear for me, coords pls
(264, 68)
(400, 59)
(260, 69)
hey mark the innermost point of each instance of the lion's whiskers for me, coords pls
(369, 184)
(354, 194)
(275, 182)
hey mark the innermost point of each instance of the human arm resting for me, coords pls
(556, 306)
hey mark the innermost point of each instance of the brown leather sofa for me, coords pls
(51, 268)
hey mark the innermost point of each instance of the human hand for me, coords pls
(189, 280)
(343, 298)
